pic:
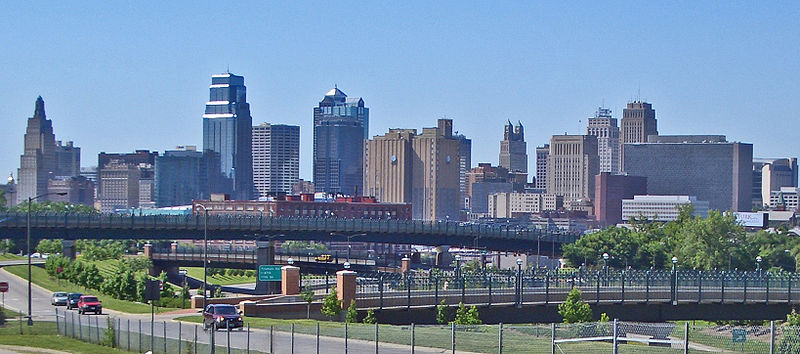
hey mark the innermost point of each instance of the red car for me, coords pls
(89, 303)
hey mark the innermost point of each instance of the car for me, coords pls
(59, 299)
(89, 303)
(221, 316)
(324, 258)
(72, 300)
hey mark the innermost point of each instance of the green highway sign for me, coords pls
(739, 335)
(269, 273)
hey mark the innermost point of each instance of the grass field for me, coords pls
(197, 273)
(481, 339)
(41, 278)
(10, 257)
(42, 335)
(10, 313)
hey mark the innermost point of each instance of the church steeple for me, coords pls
(39, 112)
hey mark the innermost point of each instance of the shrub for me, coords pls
(352, 313)
(467, 316)
(370, 317)
(574, 309)
(442, 313)
(331, 306)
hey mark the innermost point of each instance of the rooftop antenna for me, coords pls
(639, 92)
(228, 69)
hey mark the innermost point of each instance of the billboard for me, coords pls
(752, 219)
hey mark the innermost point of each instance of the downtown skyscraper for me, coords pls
(340, 126)
(38, 163)
(638, 121)
(276, 158)
(513, 149)
(604, 127)
(227, 131)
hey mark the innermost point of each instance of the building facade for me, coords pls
(661, 207)
(717, 172)
(785, 198)
(304, 206)
(181, 175)
(512, 205)
(638, 121)
(276, 158)
(340, 126)
(38, 161)
(126, 180)
(464, 165)
(9, 192)
(422, 169)
(227, 131)
(610, 190)
(68, 160)
(76, 190)
(770, 175)
(514, 149)
(604, 127)
(542, 152)
(571, 167)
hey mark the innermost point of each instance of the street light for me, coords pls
(675, 274)
(605, 265)
(205, 251)
(346, 265)
(519, 282)
(30, 200)
(758, 265)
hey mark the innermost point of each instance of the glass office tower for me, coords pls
(227, 131)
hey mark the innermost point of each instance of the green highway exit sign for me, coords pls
(269, 273)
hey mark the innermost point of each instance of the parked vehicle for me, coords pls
(59, 299)
(221, 316)
(72, 300)
(89, 303)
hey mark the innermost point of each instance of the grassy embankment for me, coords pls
(42, 335)
(197, 273)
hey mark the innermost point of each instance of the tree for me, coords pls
(442, 313)
(308, 297)
(331, 306)
(49, 246)
(370, 317)
(574, 309)
(790, 340)
(467, 315)
(352, 313)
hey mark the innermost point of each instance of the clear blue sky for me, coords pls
(123, 76)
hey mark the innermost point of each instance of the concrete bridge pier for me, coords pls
(68, 248)
(443, 257)
(265, 255)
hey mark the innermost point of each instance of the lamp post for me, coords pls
(758, 265)
(519, 282)
(605, 266)
(347, 265)
(205, 251)
(28, 246)
(675, 274)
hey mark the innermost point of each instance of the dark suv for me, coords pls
(72, 300)
(221, 316)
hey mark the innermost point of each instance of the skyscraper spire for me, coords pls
(39, 111)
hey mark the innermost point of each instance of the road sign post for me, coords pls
(3, 290)
(269, 273)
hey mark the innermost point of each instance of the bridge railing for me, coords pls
(598, 285)
(278, 224)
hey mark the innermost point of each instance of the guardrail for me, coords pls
(598, 286)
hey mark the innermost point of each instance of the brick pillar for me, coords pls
(148, 250)
(290, 280)
(346, 287)
(68, 248)
(173, 248)
(406, 265)
(265, 255)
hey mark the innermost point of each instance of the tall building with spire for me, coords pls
(38, 161)
(638, 121)
(227, 131)
(513, 149)
(604, 127)
(340, 126)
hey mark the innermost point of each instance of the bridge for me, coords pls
(517, 296)
(71, 226)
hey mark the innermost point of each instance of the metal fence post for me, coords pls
(744, 300)
(195, 340)
(380, 290)
(553, 337)
(597, 293)
(376, 337)
(436, 290)
(408, 292)
(345, 338)
(453, 337)
(80, 328)
(413, 329)
(317, 339)
(699, 286)
(771, 337)
(622, 275)
(686, 338)
(616, 348)
(180, 335)
(500, 338)
(128, 335)
(647, 287)
(766, 301)
(139, 337)
(489, 304)
(58, 329)
(789, 291)
(547, 287)
(271, 327)
(165, 336)
(291, 345)
(722, 291)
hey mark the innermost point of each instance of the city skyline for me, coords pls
(522, 55)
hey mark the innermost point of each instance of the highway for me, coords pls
(16, 299)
